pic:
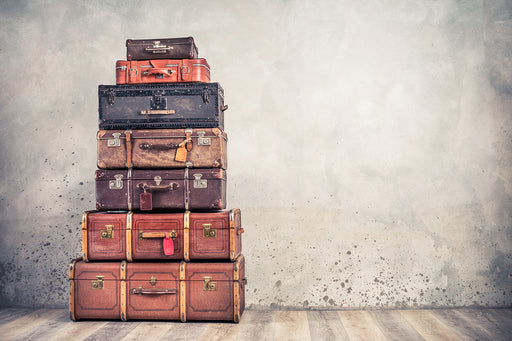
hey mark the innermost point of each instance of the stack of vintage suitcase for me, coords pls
(160, 244)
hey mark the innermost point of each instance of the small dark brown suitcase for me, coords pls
(162, 71)
(156, 236)
(167, 48)
(175, 189)
(157, 291)
(162, 148)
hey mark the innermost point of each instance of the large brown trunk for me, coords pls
(162, 291)
(146, 190)
(162, 148)
(140, 236)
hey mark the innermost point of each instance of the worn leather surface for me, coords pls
(166, 48)
(162, 71)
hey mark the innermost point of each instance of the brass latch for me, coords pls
(208, 232)
(152, 280)
(108, 233)
(208, 285)
(98, 283)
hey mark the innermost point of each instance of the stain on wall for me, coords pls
(370, 146)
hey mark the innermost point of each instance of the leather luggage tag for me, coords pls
(181, 154)
(146, 202)
(168, 245)
(184, 147)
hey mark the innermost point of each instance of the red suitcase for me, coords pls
(162, 71)
(142, 236)
(157, 291)
(166, 189)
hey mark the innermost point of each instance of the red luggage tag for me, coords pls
(146, 201)
(168, 245)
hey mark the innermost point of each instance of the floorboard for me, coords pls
(27, 322)
(466, 328)
(360, 326)
(18, 324)
(431, 328)
(291, 325)
(492, 323)
(326, 325)
(257, 326)
(10, 314)
(394, 326)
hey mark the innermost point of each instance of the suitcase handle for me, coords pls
(170, 187)
(159, 71)
(154, 291)
(187, 143)
(156, 234)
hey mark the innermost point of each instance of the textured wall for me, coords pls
(370, 142)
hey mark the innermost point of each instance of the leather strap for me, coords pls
(183, 295)
(84, 236)
(71, 278)
(123, 298)
(128, 135)
(129, 218)
(232, 236)
(129, 189)
(186, 191)
(186, 236)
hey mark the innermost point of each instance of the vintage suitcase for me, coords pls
(162, 71)
(169, 105)
(182, 189)
(167, 48)
(162, 148)
(213, 291)
(152, 236)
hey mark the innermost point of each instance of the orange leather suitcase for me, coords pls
(157, 291)
(134, 236)
(162, 71)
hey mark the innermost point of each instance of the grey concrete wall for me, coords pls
(370, 142)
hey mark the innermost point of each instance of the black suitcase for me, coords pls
(165, 106)
(168, 48)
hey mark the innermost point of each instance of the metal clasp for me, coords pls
(98, 283)
(208, 232)
(158, 180)
(115, 142)
(157, 102)
(202, 140)
(152, 280)
(108, 233)
(208, 285)
(117, 183)
(200, 183)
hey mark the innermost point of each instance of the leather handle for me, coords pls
(154, 291)
(157, 234)
(170, 187)
(240, 231)
(224, 108)
(169, 146)
(159, 71)
(157, 112)
(187, 142)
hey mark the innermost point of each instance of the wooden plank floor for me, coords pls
(437, 324)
